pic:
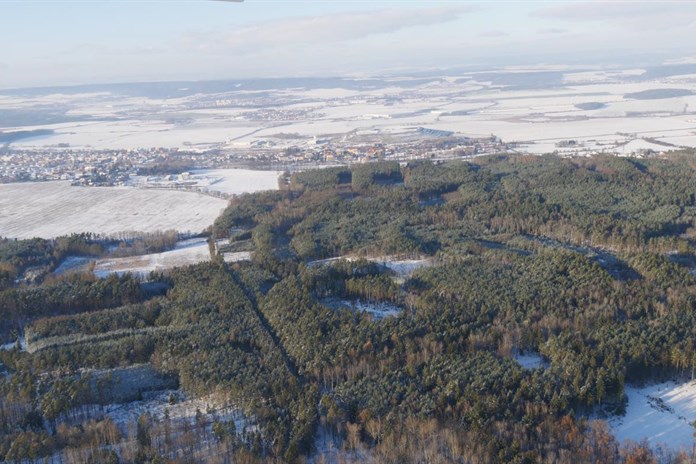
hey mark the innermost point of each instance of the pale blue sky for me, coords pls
(72, 42)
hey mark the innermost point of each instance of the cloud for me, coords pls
(493, 34)
(552, 30)
(681, 60)
(638, 14)
(324, 29)
(91, 49)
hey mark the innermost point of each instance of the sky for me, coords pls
(55, 42)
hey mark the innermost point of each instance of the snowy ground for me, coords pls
(328, 449)
(661, 413)
(72, 264)
(323, 262)
(530, 360)
(404, 267)
(156, 403)
(378, 310)
(236, 181)
(188, 252)
(135, 133)
(233, 257)
(469, 105)
(12, 345)
(51, 209)
(124, 384)
(401, 267)
(224, 181)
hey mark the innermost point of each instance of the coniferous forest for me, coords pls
(585, 263)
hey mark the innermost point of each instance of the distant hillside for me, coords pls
(658, 94)
(9, 137)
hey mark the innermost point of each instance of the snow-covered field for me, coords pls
(236, 181)
(662, 413)
(212, 181)
(133, 133)
(51, 209)
(225, 181)
(469, 105)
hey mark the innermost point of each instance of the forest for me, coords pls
(585, 262)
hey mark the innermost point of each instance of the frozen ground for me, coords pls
(51, 209)
(661, 413)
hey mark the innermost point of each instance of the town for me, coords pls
(114, 167)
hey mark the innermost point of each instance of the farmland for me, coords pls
(535, 109)
(52, 209)
(223, 182)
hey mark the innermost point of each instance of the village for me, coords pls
(114, 167)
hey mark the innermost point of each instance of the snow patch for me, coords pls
(530, 360)
(187, 252)
(72, 264)
(183, 409)
(662, 414)
(12, 345)
(401, 267)
(233, 257)
(378, 310)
